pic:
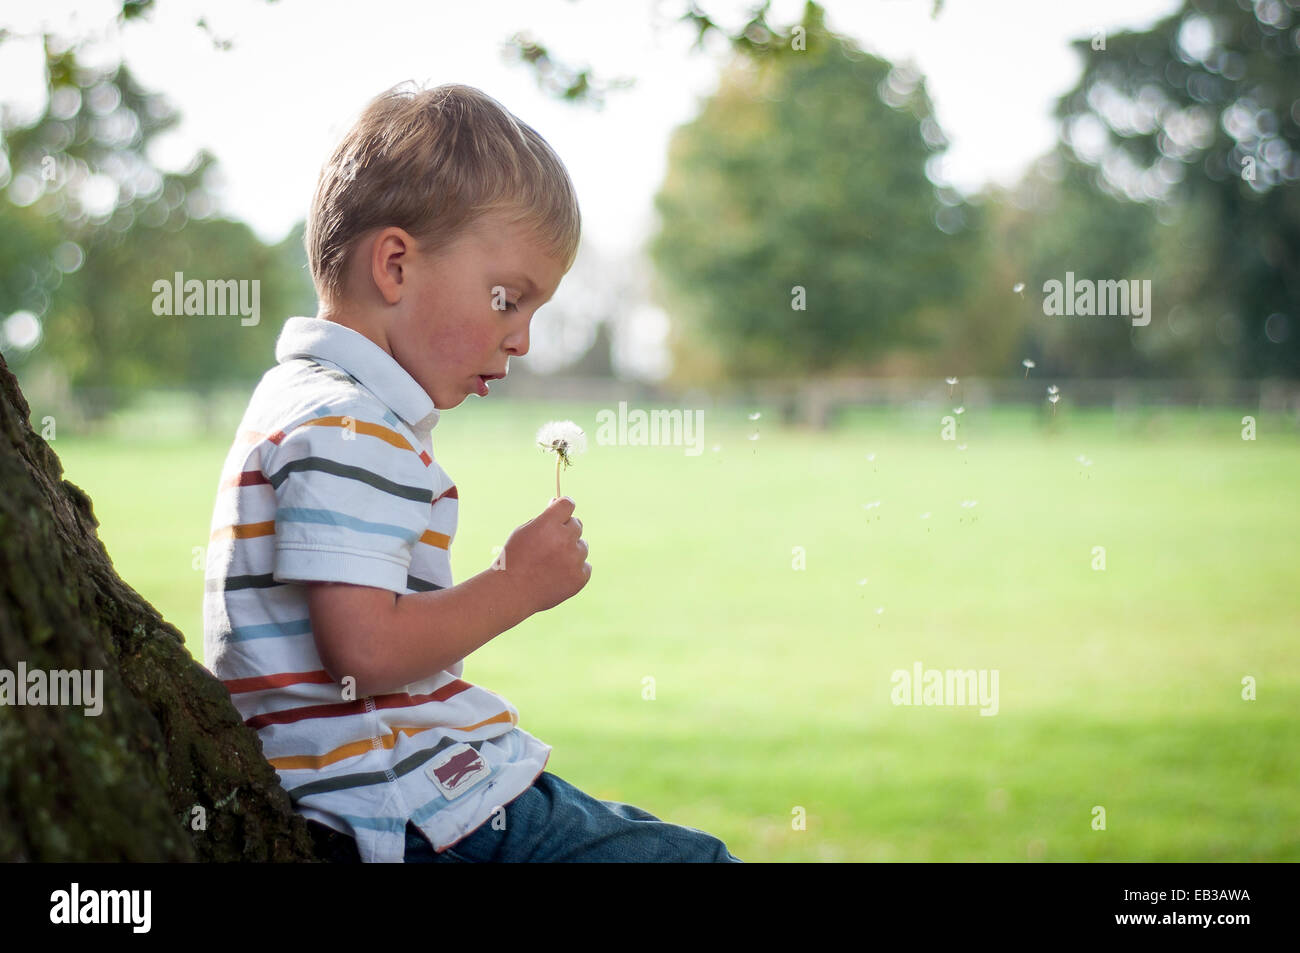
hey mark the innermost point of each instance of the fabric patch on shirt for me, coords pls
(457, 769)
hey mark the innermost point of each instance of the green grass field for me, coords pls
(1119, 688)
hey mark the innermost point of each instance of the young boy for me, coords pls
(440, 225)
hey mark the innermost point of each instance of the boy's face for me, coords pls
(445, 331)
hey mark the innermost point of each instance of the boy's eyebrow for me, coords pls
(532, 285)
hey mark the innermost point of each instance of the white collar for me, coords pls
(363, 359)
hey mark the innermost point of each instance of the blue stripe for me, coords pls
(426, 811)
(393, 825)
(270, 630)
(299, 514)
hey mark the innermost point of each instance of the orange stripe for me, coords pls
(430, 538)
(297, 762)
(244, 531)
(361, 426)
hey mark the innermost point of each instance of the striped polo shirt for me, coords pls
(332, 478)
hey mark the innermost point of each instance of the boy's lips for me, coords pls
(482, 379)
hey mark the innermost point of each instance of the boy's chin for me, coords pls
(441, 404)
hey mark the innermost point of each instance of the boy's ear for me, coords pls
(391, 252)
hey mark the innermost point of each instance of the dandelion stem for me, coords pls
(557, 474)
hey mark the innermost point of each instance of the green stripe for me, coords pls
(361, 779)
(263, 581)
(324, 465)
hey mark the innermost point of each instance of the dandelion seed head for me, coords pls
(1019, 287)
(1028, 363)
(755, 415)
(950, 381)
(563, 436)
(959, 410)
(1052, 388)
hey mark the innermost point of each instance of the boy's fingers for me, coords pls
(562, 505)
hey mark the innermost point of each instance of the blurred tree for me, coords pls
(807, 169)
(95, 224)
(1199, 118)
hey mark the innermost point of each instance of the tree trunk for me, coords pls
(166, 771)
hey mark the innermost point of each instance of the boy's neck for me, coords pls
(350, 318)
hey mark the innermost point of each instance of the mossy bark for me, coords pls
(124, 784)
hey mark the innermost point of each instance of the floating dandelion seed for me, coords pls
(951, 382)
(1083, 460)
(862, 581)
(565, 439)
(961, 446)
(871, 458)
(1019, 288)
(753, 436)
(1028, 365)
(925, 516)
(717, 447)
(755, 415)
(959, 410)
(969, 503)
(880, 610)
(1052, 389)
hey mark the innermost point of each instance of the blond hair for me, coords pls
(434, 162)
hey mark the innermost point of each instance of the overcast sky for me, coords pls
(271, 107)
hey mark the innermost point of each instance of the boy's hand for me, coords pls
(547, 556)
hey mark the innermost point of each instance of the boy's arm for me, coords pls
(385, 640)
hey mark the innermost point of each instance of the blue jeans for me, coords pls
(553, 821)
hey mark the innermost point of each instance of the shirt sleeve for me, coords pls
(351, 502)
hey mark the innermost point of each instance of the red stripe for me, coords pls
(450, 494)
(237, 686)
(247, 478)
(428, 460)
(341, 709)
(276, 437)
